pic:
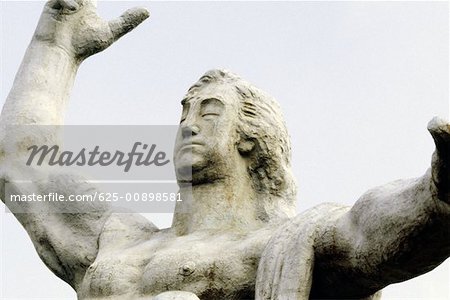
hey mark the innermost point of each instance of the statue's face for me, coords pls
(206, 139)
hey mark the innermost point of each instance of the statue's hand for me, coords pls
(74, 26)
(440, 130)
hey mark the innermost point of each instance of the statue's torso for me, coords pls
(211, 265)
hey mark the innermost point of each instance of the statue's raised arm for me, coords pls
(68, 32)
(393, 233)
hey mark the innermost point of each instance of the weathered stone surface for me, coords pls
(235, 235)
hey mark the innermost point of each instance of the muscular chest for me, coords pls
(221, 267)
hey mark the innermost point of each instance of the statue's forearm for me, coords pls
(42, 86)
(402, 223)
(65, 36)
(401, 229)
(38, 96)
(393, 233)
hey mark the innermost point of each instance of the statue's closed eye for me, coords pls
(211, 107)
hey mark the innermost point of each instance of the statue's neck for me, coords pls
(226, 204)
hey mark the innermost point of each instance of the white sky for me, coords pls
(358, 82)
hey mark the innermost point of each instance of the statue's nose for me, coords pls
(190, 130)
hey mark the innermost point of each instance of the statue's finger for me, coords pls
(128, 21)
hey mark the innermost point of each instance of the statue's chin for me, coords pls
(184, 174)
(196, 175)
(196, 169)
(189, 172)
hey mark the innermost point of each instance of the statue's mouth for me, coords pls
(192, 145)
(189, 146)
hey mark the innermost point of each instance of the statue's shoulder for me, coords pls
(290, 253)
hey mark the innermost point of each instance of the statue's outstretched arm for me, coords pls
(68, 32)
(392, 233)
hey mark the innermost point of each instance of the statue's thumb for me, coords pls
(128, 21)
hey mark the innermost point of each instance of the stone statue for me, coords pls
(240, 239)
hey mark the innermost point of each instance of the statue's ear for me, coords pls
(245, 146)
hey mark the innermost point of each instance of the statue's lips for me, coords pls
(190, 146)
